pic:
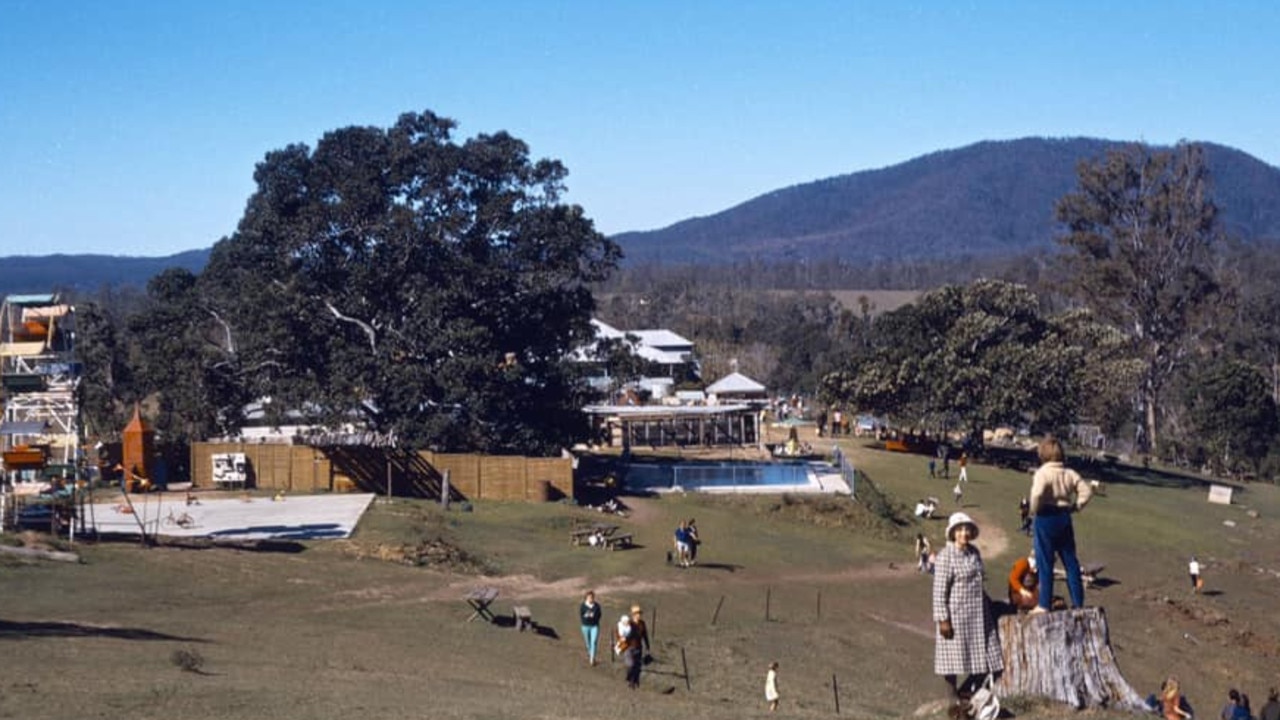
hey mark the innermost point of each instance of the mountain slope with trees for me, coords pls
(986, 199)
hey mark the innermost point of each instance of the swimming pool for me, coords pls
(702, 476)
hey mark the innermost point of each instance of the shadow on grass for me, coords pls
(731, 567)
(19, 630)
(1107, 470)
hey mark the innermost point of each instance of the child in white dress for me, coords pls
(771, 686)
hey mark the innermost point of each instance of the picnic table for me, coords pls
(579, 536)
(479, 599)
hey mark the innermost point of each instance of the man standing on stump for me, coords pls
(1056, 493)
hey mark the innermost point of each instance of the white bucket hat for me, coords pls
(961, 519)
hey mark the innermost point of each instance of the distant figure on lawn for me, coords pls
(967, 641)
(589, 617)
(924, 553)
(1172, 703)
(682, 539)
(1024, 584)
(1024, 516)
(771, 687)
(958, 492)
(694, 540)
(1271, 710)
(1193, 568)
(1056, 493)
(634, 646)
(964, 467)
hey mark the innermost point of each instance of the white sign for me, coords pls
(1220, 494)
(229, 469)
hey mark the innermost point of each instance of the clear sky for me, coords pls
(132, 127)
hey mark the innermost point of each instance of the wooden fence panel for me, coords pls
(298, 468)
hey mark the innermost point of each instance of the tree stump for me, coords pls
(1065, 656)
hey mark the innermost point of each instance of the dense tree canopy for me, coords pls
(973, 357)
(1140, 228)
(1235, 418)
(430, 289)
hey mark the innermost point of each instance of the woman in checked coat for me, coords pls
(967, 641)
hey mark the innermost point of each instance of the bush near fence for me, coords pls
(304, 469)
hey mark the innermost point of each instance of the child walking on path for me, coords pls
(771, 686)
(959, 493)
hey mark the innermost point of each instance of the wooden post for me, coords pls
(819, 604)
(653, 624)
(768, 597)
(1064, 656)
(716, 614)
(444, 489)
(685, 663)
(835, 692)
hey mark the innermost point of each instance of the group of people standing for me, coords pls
(967, 641)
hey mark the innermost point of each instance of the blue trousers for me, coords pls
(590, 635)
(1054, 535)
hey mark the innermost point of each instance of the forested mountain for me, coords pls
(991, 198)
(87, 273)
(988, 200)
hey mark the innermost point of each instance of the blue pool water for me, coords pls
(694, 476)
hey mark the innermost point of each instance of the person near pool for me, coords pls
(1056, 493)
(589, 617)
(967, 641)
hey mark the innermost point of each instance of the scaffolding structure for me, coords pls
(39, 375)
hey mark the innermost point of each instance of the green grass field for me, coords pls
(331, 630)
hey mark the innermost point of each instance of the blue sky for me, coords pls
(133, 127)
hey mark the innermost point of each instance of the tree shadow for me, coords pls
(1105, 468)
(21, 630)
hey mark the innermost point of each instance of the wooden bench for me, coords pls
(614, 542)
(582, 535)
(523, 617)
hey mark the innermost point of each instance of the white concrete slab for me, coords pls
(295, 517)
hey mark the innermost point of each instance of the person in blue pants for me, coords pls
(1057, 492)
(589, 616)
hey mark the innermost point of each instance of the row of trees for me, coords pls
(435, 291)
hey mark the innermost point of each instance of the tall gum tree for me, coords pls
(432, 288)
(1140, 228)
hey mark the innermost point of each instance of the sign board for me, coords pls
(1220, 494)
(229, 469)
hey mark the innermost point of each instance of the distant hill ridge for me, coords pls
(989, 198)
(87, 273)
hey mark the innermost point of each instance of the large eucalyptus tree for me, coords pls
(1140, 228)
(433, 289)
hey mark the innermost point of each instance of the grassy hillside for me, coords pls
(344, 629)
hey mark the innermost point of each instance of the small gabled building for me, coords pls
(736, 388)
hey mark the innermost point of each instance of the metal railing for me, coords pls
(847, 471)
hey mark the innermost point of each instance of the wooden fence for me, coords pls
(386, 471)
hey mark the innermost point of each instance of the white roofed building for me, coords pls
(669, 354)
(736, 387)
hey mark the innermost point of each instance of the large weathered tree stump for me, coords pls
(1065, 656)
